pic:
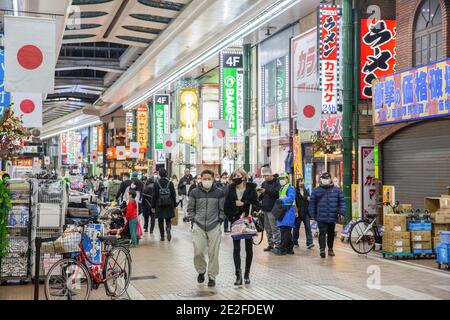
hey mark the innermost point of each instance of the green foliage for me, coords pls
(5, 206)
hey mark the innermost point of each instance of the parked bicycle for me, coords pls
(73, 278)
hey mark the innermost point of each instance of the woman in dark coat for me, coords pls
(147, 196)
(164, 213)
(240, 197)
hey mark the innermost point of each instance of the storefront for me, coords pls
(415, 157)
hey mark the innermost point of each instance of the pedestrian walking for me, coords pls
(206, 213)
(164, 203)
(148, 214)
(302, 203)
(122, 194)
(183, 187)
(240, 200)
(326, 205)
(287, 222)
(132, 217)
(269, 193)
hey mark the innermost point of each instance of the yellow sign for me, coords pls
(298, 158)
(142, 127)
(189, 115)
(388, 196)
(355, 202)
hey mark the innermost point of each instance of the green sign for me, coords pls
(161, 106)
(230, 63)
(377, 167)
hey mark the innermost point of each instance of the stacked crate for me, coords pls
(441, 219)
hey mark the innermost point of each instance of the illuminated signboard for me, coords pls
(188, 115)
(161, 119)
(100, 135)
(329, 57)
(378, 52)
(129, 126)
(142, 127)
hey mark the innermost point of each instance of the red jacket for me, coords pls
(131, 211)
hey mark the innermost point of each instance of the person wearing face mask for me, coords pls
(287, 222)
(325, 205)
(239, 201)
(302, 202)
(206, 213)
(222, 183)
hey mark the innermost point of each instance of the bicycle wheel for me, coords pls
(68, 280)
(362, 238)
(118, 271)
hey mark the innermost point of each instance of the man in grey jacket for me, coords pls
(205, 211)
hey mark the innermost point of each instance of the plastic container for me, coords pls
(419, 226)
(443, 253)
(445, 237)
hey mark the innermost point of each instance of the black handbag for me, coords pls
(279, 210)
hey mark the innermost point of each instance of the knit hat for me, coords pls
(284, 176)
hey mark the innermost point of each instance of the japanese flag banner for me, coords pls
(134, 150)
(94, 156)
(121, 153)
(79, 158)
(309, 112)
(220, 132)
(47, 160)
(28, 106)
(30, 56)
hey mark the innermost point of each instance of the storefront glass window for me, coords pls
(428, 33)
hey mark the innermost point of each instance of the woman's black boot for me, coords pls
(238, 278)
(247, 277)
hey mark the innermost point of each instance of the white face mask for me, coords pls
(283, 183)
(207, 184)
(325, 182)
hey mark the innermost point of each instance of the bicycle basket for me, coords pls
(68, 242)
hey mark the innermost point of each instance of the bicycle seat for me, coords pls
(108, 240)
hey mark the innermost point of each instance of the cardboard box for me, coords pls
(436, 241)
(437, 228)
(391, 235)
(405, 207)
(444, 202)
(432, 204)
(395, 222)
(441, 216)
(397, 249)
(420, 236)
(421, 245)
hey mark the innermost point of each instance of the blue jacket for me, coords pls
(326, 203)
(289, 217)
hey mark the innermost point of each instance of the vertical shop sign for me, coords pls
(63, 143)
(367, 182)
(376, 161)
(378, 52)
(298, 159)
(142, 127)
(282, 87)
(188, 115)
(5, 97)
(388, 196)
(129, 126)
(355, 202)
(100, 134)
(161, 124)
(329, 56)
(309, 177)
(231, 88)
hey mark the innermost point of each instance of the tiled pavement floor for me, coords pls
(301, 276)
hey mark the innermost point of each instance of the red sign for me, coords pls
(111, 153)
(100, 141)
(378, 52)
(63, 143)
(332, 123)
(329, 57)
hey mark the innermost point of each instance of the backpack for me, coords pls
(164, 199)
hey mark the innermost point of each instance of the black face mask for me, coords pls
(237, 181)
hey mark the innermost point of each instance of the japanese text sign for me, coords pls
(329, 57)
(412, 95)
(367, 182)
(378, 52)
(161, 120)
(142, 126)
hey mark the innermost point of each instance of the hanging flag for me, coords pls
(29, 107)
(47, 160)
(121, 153)
(309, 113)
(30, 57)
(79, 158)
(220, 132)
(170, 140)
(94, 156)
(134, 150)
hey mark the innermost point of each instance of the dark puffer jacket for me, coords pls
(206, 208)
(250, 197)
(326, 203)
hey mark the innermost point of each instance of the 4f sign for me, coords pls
(231, 63)
(161, 106)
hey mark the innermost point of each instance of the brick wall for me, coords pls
(405, 16)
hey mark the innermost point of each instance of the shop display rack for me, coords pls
(16, 266)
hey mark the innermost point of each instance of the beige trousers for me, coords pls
(206, 241)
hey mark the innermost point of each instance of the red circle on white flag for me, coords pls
(30, 57)
(169, 143)
(221, 133)
(309, 111)
(27, 106)
(134, 150)
(121, 153)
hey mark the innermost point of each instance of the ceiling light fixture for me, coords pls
(81, 126)
(268, 14)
